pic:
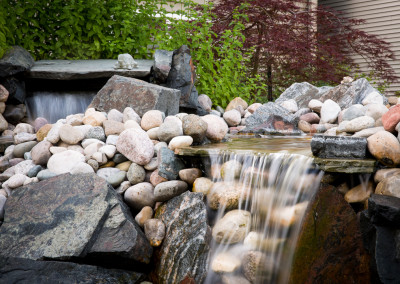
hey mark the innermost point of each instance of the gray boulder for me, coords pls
(121, 92)
(272, 118)
(302, 93)
(14, 61)
(183, 255)
(68, 217)
(339, 147)
(16, 89)
(349, 94)
(169, 164)
(162, 65)
(26, 271)
(182, 77)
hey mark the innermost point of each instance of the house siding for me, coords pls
(382, 19)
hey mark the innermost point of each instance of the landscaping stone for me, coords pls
(310, 117)
(195, 127)
(136, 146)
(64, 162)
(162, 65)
(385, 147)
(353, 112)
(136, 174)
(360, 193)
(339, 147)
(154, 230)
(202, 185)
(232, 117)
(169, 189)
(359, 123)
(14, 61)
(384, 210)
(170, 128)
(235, 103)
(20, 149)
(216, 127)
(14, 113)
(232, 228)
(139, 196)
(182, 77)
(376, 110)
(184, 251)
(21, 270)
(290, 105)
(391, 118)
(389, 186)
(151, 119)
(71, 135)
(103, 226)
(180, 142)
(385, 173)
(329, 111)
(156, 179)
(205, 102)
(373, 98)
(169, 165)
(34, 171)
(96, 132)
(41, 153)
(145, 214)
(300, 92)
(189, 175)
(365, 133)
(121, 92)
(3, 94)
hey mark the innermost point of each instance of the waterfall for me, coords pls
(271, 193)
(57, 105)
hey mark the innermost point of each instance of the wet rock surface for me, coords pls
(183, 253)
(330, 244)
(339, 147)
(14, 61)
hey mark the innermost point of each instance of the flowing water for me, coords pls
(267, 194)
(57, 105)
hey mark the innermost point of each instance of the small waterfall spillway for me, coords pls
(54, 105)
(256, 206)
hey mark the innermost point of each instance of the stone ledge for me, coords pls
(85, 69)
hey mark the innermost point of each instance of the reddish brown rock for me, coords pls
(329, 247)
(391, 118)
(310, 117)
(385, 147)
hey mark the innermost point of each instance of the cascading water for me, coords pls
(57, 105)
(256, 206)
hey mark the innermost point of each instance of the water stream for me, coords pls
(269, 190)
(57, 105)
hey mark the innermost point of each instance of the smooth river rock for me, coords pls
(385, 147)
(136, 145)
(232, 228)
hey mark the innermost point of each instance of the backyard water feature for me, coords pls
(135, 189)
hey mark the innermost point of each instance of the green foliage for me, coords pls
(82, 29)
(375, 80)
(221, 64)
(4, 31)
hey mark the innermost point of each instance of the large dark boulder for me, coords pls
(68, 217)
(387, 254)
(26, 271)
(272, 118)
(384, 210)
(14, 61)
(339, 147)
(330, 248)
(16, 88)
(162, 65)
(121, 92)
(182, 77)
(183, 255)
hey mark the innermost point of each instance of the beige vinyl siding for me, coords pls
(382, 19)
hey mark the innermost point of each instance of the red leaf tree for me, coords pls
(292, 42)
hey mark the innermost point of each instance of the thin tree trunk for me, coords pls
(269, 82)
